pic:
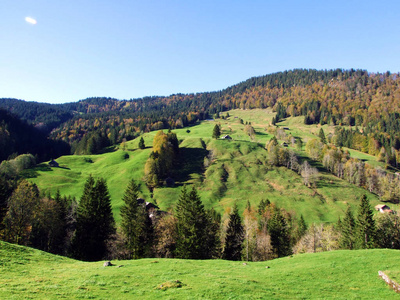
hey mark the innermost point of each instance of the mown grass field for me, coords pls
(239, 170)
(31, 274)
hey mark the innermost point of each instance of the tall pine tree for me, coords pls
(192, 227)
(365, 225)
(135, 223)
(216, 132)
(94, 222)
(141, 143)
(234, 236)
(279, 232)
(347, 228)
(321, 136)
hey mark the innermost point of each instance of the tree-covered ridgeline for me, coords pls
(340, 97)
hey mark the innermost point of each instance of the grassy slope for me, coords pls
(248, 175)
(31, 274)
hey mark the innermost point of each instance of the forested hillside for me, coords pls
(368, 101)
(18, 137)
(43, 116)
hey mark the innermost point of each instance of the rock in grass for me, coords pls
(107, 264)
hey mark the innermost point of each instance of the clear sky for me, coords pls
(129, 49)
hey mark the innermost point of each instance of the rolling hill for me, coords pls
(32, 274)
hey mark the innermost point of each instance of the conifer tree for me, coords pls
(262, 206)
(347, 228)
(234, 236)
(301, 229)
(94, 223)
(216, 132)
(279, 232)
(192, 226)
(321, 136)
(135, 223)
(365, 225)
(141, 143)
(213, 242)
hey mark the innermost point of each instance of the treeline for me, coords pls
(351, 98)
(87, 230)
(339, 97)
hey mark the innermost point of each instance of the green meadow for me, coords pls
(238, 170)
(32, 274)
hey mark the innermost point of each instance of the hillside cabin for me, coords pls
(53, 164)
(152, 210)
(227, 137)
(284, 144)
(382, 208)
(285, 128)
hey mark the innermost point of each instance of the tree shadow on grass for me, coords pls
(109, 149)
(33, 173)
(190, 160)
(332, 183)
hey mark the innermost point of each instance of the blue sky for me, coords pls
(130, 49)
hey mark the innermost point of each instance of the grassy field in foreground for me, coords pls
(239, 171)
(31, 274)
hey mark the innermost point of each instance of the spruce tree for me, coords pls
(134, 223)
(216, 132)
(141, 143)
(213, 242)
(365, 225)
(347, 228)
(94, 222)
(321, 136)
(280, 236)
(234, 236)
(192, 226)
(301, 229)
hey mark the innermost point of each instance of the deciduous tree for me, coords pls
(22, 210)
